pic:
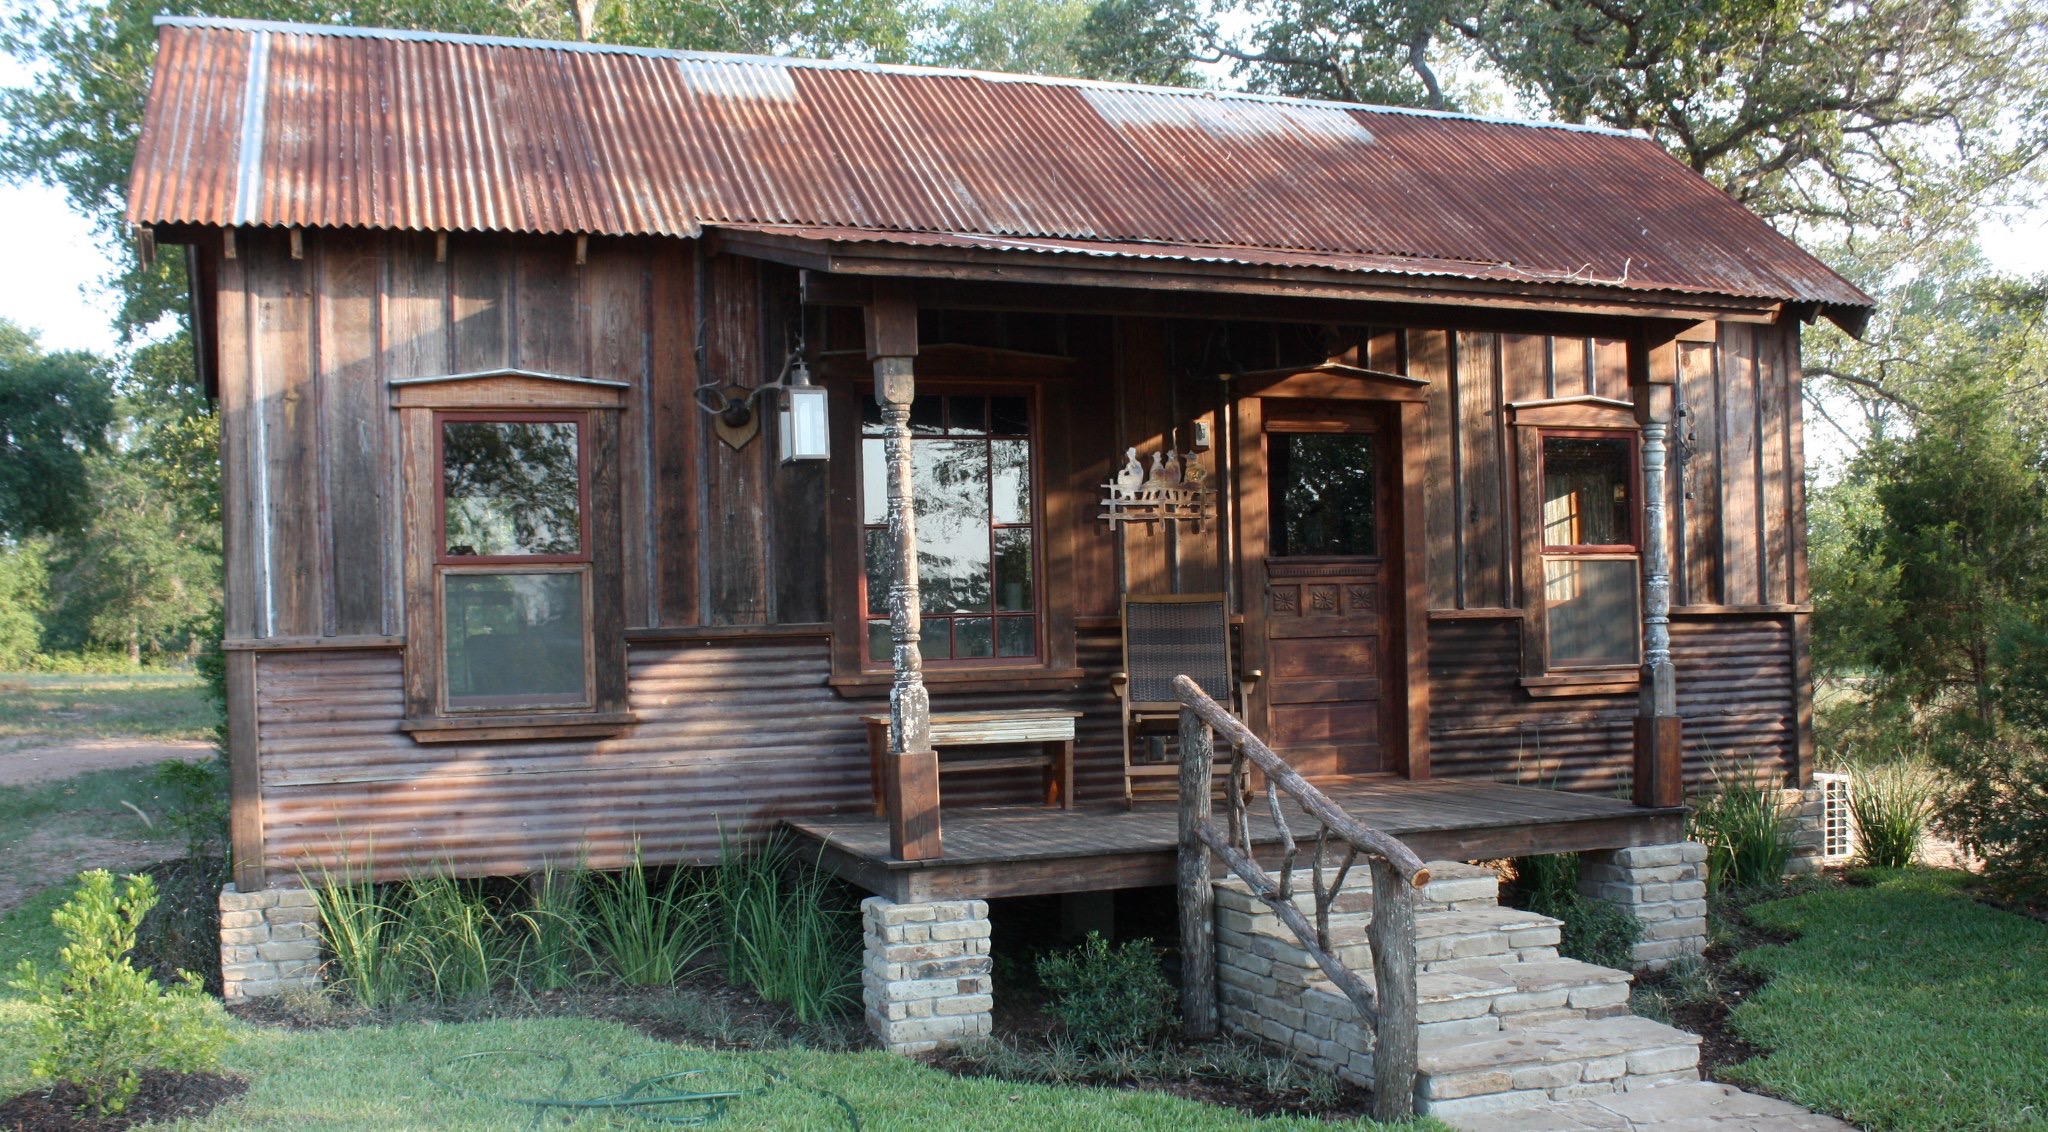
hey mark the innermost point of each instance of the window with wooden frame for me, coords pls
(513, 605)
(1581, 545)
(974, 473)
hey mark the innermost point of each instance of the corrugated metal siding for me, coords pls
(733, 734)
(1734, 678)
(348, 128)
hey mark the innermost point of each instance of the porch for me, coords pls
(999, 851)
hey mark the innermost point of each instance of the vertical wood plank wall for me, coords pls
(746, 732)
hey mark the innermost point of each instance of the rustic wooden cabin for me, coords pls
(578, 401)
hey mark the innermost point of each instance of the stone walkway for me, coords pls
(1703, 1106)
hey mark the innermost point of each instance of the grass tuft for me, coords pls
(1890, 805)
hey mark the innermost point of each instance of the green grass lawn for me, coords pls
(1902, 1005)
(42, 707)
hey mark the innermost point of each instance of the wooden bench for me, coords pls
(1053, 731)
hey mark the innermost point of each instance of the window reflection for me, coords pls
(510, 488)
(1323, 494)
(1586, 492)
(971, 474)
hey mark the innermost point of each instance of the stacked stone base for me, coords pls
(1664, 886)
(1806, 812)
(927, 977)
(269, 942)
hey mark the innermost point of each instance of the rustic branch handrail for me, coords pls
(1389, 1006)
(1313, 801)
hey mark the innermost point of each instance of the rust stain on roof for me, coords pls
(278, 124)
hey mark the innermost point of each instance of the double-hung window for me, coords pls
(1590, 566)
(973, 473)
(513, 561)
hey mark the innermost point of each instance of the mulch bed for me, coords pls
(164, 1096)
(1719, 1044)
(1021, 1019)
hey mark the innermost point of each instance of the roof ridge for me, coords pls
(287, 27)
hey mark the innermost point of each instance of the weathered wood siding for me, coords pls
(309, 347)
(1736, 693)
(733, 735)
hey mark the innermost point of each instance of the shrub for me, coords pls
(782, 934)
(1890, 806)
(1996, 805)
(447, 935)
(1748, 837)
(554, 931)
(105, 1020)
(1109, 997)
(1594, 931)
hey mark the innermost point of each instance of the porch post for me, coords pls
(1659, 738)
(911, 776)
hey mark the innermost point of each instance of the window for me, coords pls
(1323, 493)
(973, 476)
(1589, 550)
(513, 568)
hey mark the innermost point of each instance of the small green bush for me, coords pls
(105, 1021)
(1748, 838)
(1996, 805)
(1890, 806)
(1109, 997)
(1594, 931)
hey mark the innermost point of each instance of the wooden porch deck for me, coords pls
(1028, 850)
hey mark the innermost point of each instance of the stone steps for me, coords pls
(1564, 1060)
(1504, 1020)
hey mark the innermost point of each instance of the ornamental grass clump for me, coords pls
(785, 933)
(1890, 806)
(1109, 997)
(104, 1021)
(1748, 837)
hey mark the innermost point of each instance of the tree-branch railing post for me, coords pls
(1389, 1006)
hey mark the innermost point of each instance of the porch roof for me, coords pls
(253, 123)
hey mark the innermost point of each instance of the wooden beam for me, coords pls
(245, 783)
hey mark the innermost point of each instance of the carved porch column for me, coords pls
(911, 776)
(1659, 736)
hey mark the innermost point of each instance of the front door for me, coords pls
(1327, 588)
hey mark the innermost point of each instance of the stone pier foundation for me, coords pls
(927, 977)
(269, 942)
(1664, 886)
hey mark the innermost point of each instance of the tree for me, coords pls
(24, 594)
(1033, 37)
(54, 410)
(1817, 114)
(138, 579)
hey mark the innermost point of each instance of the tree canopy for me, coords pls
(55, 410)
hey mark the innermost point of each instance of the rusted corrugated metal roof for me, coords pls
(280, 124)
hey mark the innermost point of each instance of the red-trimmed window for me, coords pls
(974, 476)
(1591, 534)
(512, 569)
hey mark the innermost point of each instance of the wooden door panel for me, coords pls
(1325, 691)
(1343, 723)
(1304, 658)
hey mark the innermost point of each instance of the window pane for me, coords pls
(968, 416)
(934, 639)
(1014, 636)
(874, 482)
(881, 570)
(511, 487)
(927, 416)
(1586, 492)
(1010, 464)
(1009, 416)
(1013, 569)
(973, 637)
(870, 415)
(1323, 493)
(950, 478)
(514, 639)
(879, 646)
(1592, 611)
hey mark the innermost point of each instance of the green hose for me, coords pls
(658, 1098)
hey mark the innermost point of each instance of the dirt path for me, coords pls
(26, 765)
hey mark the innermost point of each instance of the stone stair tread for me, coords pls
(1429, 925)
(1693, 1106)
(1575, 1039)
(1535, 975)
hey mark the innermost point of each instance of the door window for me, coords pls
(1324, 490)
